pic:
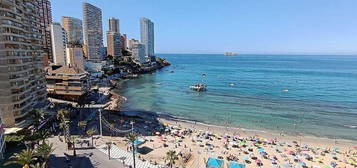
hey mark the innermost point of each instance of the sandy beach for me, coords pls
(196, 142)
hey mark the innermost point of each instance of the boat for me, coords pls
(230, 54)
(199, 87)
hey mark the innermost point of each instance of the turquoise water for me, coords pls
(313, 95)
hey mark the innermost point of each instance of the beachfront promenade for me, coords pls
(85, 158)
(125, 157)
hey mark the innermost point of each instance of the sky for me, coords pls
(243, 26)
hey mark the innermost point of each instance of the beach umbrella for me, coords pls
(355, 147)
(286, 166)
(242, 143)
(245, 158)
(261, 150)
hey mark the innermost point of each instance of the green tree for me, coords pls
(131, 139)
(38, 165)
(90, 133)
(44, 151)
(37, 136)
(82, 125)
(24, 158)
(36, 116)
(63, 117)
(171, 156)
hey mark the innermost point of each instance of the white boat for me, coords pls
(199, 87)
(230, 54)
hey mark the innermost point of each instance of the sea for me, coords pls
(296, 94)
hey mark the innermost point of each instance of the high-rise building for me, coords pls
(92, 31)
(75, 55)
(114, 25)
(147, 36)
(74, 29)
(59, 41)
(45, 13)
(139, 52)
(131, 43)
(123, 42)
(22, 83)
(113, 44)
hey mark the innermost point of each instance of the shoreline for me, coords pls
(322, 142)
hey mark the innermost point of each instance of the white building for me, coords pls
(130, 44)
(139, 53)
(92, 31)
(59, 40)
(147, 36)
(75, 56)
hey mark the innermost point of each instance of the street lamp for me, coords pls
(100, 122)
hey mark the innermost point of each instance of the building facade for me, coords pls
(73, 28)
(2, 140)
(45, 13)
(138, 53)
(22, 82)
(114, 25)
(131, 43)
(75, 56)
(147, 36)
(67, 83)
(92, 31)
(123, 42)
(113, 44)
(59, 41)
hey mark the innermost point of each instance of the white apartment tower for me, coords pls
(22, 82)
(92, 31)
(147, 36)
(59, 41)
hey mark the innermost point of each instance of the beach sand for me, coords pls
(199, 151)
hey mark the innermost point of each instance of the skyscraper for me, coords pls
(22, 83)
(74, 29)
(45, 13)
(147, 36)
(113, 38)
(114, 25)
(123, 41)
(139, 52)
(59, 41)
(92, 30)
(113, 44)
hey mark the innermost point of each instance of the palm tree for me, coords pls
(109, 145)
(91, 132)
(24, 158)
(82, 125)
(131, 138)
(73, 141)
(44, 151)
(37, 116)
(171, 156)
(36, 137)
(63, 116)
(38, 165)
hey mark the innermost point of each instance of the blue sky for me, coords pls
(245, 26)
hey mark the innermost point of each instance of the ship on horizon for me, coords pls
(230, 54)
